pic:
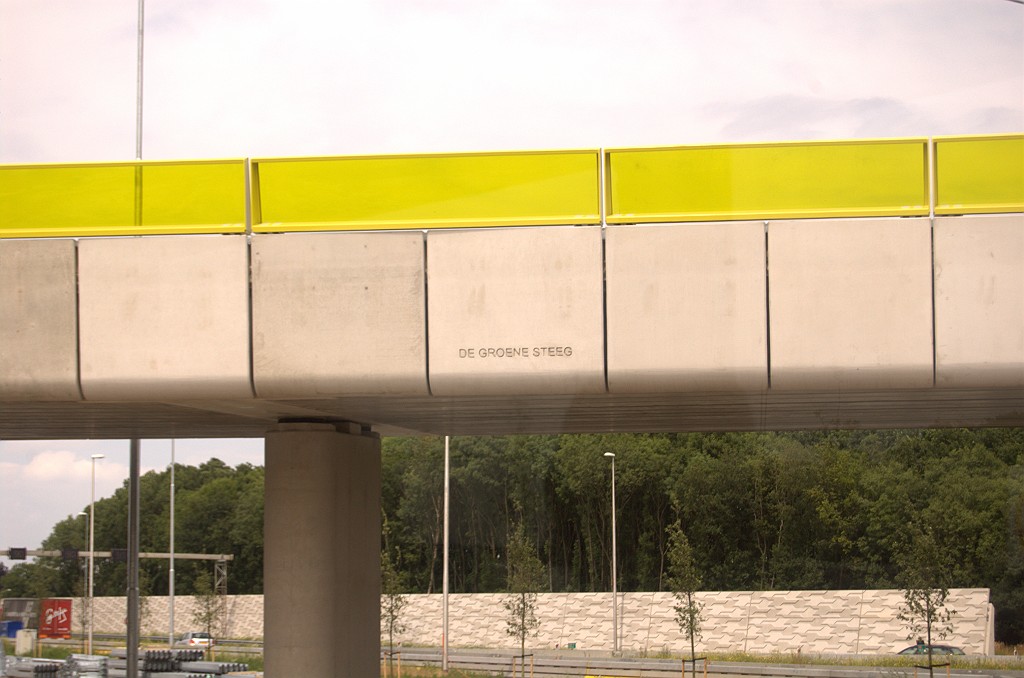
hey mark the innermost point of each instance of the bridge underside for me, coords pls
(482, 415)
(782, 325)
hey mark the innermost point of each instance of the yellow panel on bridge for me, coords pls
(979, 174)
(125, 198)
(426, 191)
(887, 177)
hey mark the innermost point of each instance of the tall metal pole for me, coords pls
(92, 545)
(133, 559)
(138, 118)
(444, 577)
(170, 574)
(133, 453)
(138, 82)
(615, 593)
(85, 574)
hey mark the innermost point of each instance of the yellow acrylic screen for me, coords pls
(100, 199)
(793, 180)
(976, 175)
(426, 191)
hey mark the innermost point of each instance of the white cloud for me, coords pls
(234, 78)
(43, 482)
(48, 466)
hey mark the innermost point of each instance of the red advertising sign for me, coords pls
(55, 618)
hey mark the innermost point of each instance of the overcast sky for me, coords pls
(257, 78)
(237, 78)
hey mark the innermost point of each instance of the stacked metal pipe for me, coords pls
(213, 668)
(170, 664)
(21, 667)
(152, 664)
(84, 666)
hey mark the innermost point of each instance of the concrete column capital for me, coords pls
(302, 426)
(346, 427)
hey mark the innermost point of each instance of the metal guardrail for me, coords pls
(598, 665)
(549, 664)
(108, 641)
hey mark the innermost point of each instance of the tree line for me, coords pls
(760, 511)
(218, 510)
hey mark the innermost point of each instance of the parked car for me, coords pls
(195, 639)
(921, 648)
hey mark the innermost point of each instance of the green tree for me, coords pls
(30, 580)
(924, 576)
(583, 483)
(420, 513)
(525, 578)
(392, 594)
(685, 581)
(208, 613)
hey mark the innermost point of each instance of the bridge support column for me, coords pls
(321, 562)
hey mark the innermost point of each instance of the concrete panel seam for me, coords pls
(602, 195)
(78, 327)
(935, 362)
(426, 316)
(604, 295)
(767, 311)
(249, 292)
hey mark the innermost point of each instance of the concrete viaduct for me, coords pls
(322, 302)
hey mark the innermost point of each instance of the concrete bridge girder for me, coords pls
(741, 326)
(805, 322)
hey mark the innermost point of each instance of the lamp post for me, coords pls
(444, 579)
(85, 575)
(615, 593)
(92, 544)
(170, 574)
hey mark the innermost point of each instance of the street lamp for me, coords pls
(85, 575)
(444, 579)
(92, 544)
(170, 574)
(615, 595)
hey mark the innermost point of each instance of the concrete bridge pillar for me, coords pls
(321, 571)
